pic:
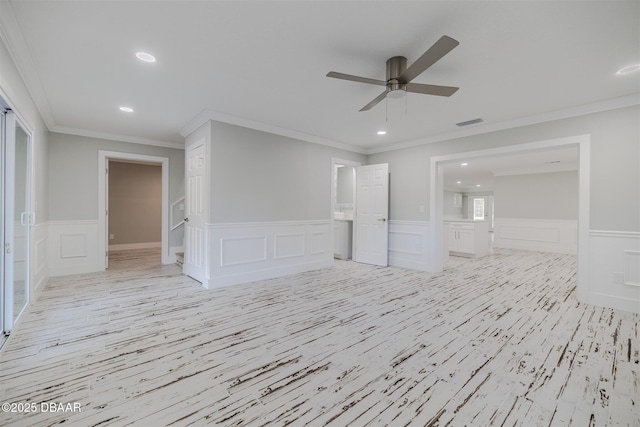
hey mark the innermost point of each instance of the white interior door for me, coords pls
(372, 214)
(194, 241)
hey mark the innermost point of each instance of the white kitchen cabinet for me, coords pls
(342, 238)
(469, 238)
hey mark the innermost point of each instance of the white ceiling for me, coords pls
(263, 64)
(479, 174)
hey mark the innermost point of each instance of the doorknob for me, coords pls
(382, 219)
(186, 220)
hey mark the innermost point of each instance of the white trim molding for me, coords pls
(246, 252)
(408, 244)
(544, 235)
(103, 158)
(614, 269)
(130, 246)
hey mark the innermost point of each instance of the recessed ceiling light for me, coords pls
(146, 57)
(382, 132)
(628, 70)
(126, 109)
(477, 185)
(464, 164)
(458, 182)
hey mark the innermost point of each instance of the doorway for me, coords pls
(343, 191)
(17, 217)
(134, 210)
(437, 189)
(104, 158)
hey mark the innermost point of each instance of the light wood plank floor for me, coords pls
(498, 341)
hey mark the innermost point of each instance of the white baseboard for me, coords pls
(408, 243)
(129, 246)
(557, 236)
(246, 252)
(614, 269)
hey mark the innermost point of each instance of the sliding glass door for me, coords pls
(17, 218)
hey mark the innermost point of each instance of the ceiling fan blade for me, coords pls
(373, 103)
(431, 89)
(440, 48)
(349, 77)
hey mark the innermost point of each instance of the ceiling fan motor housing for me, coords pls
(395, 67)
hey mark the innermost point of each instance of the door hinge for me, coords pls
(106, 253)
(7, 248)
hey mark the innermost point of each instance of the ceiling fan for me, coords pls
(399, 77)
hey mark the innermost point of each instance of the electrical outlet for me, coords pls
(421, 208)
(111, 237)
(618, 278)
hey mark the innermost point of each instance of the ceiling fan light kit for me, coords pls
(399, 77)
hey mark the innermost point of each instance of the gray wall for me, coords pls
(615, 155)
(73, 175)
(135, 203)
(258, 176)
(537, 196)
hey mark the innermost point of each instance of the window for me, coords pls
(478, 209)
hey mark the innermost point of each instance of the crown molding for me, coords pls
(12, 37)
(117, 137)
(207, 115)
(579, 110)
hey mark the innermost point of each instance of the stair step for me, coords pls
(179, 258)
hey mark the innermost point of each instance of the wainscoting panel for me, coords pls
(408, 243)
(73, 247)
(614, 266)
(246, 252)
(558, 236)
(39, 255)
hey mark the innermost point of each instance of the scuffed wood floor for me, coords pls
(496, 341)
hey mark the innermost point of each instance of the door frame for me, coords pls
(436, 195)
(7, 323)
(103, 159)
